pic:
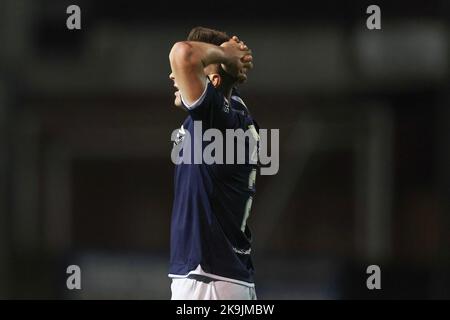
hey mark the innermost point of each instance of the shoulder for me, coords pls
(209, 96)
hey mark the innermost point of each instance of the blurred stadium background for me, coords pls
(364, 119)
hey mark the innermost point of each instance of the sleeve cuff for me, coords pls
(198, 101)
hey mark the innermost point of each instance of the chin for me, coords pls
(177, 102)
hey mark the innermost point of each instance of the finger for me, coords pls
(235, 38)
(242, 78)
(247, 58)
(247, 65)
(243, 47)
(242, 72)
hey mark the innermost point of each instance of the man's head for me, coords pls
(214, 72)
(207, 35)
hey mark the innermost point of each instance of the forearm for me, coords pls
(199, 53)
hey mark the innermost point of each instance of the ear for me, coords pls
(216, 79)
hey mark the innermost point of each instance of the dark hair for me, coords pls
(208, 35)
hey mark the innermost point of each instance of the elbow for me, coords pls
(181, 53)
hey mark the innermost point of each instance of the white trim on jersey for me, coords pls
(197, 102)
(199, 271)
(239, 99)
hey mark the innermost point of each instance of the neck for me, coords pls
(226, 88)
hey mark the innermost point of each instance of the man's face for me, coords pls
(209, 72)
(177, 101)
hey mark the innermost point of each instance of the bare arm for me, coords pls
(189, 58)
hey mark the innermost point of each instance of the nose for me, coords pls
(171, 77)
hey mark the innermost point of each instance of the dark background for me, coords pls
(85, 124)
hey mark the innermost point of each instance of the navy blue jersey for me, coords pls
(209, 233)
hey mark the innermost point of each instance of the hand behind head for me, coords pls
(241, 59)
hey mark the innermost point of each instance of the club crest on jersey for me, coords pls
(180, 136)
